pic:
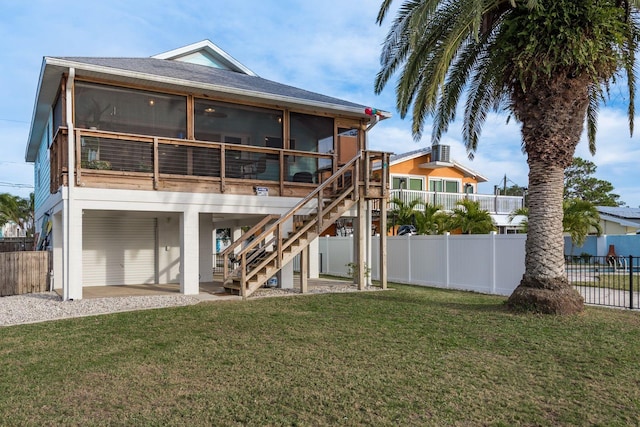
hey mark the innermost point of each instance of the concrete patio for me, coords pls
(209, 291)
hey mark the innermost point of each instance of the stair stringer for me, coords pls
(293, 246)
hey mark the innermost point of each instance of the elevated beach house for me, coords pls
(138, 160)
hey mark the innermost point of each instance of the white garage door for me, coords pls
(118, 250)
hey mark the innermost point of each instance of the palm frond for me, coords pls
(384, 8)
(595, 98)
(629, 66)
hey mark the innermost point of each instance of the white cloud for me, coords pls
(331, 47)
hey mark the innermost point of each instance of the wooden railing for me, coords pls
(119, 160)
(259, 227)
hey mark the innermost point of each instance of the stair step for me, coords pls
(233, 287)
(265, 264)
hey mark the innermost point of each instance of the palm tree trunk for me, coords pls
(550, 135)
(544, 286)
(544, 260)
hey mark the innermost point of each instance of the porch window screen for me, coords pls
(130, 111)
(315, 134)
(237, 124)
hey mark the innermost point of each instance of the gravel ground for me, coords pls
(41, 307)
(33, 308)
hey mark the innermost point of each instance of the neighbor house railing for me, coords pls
(488, 202)
(123, 160)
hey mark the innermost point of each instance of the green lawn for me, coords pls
(610, 281)
(408, 356)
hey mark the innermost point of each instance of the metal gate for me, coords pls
(613, 281)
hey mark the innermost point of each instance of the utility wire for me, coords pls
(13, 121)
(14, 185)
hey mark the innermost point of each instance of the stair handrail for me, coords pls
(247, 234)
(276, 227)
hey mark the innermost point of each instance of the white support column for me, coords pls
(65, 249)
(314, 258)
(362, 243)
(304, 270)
(206, 238)
(369, 243)
(189, 251)
(73, 290)
(58, 254)
(236, 233)
(285, 277)
(382, 263)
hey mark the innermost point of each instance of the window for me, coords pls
(237, 124)
(315, 134)
(407, 182)
(312, 133)
(129, 110)
(444, 185)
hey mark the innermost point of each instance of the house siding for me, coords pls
(412, 167)
(42, 168)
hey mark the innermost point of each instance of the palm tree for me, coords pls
(470, 218)
(524, 211)
(549, 62)
(580, 217)
(17, 210)
(431, 220)
(404, 212)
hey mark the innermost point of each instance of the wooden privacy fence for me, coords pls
(24, 272)
(12, 244)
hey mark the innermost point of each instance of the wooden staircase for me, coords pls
(280, 240)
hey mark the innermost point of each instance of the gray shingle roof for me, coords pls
(401, 156)
(627, 213)
(209, 75)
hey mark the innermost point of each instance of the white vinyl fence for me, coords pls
(487, 263)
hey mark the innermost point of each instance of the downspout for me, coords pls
(370, 126)
(68, 200)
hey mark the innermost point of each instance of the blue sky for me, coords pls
(331, 47)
